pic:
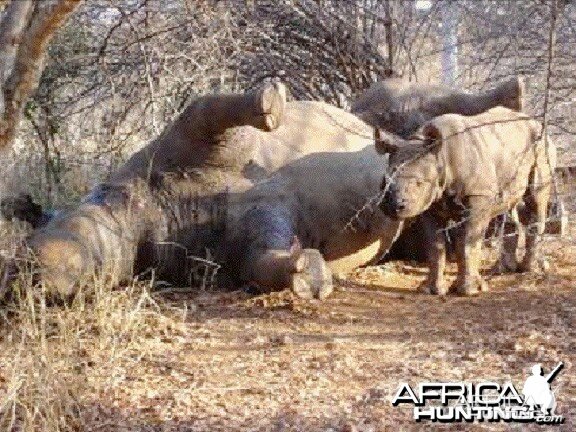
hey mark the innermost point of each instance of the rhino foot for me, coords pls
(432, 288)
(470, 286)
(313, 278)
(503, 267)
(271, 103)
(534, 266)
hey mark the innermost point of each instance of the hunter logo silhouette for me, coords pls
(537, 391)
(448, 401)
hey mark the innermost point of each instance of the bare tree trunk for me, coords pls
(389, 35)
(450, 42)
(26, 28)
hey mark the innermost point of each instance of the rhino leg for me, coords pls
(469, 247)
(272, 257)
(210, 116)
(304, 271)
(509, 94)
(312, 277)
(435, 244)
(508, 261)
(537, 210)
(270, 103)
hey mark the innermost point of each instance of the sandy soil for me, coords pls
(275, 363)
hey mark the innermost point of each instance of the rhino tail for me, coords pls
(511, 93)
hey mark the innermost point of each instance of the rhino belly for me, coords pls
(344, 260)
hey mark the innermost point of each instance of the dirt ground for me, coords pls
(275, 363)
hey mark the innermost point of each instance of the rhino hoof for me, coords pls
(272, 103)
(470, 287)
(466, 290)
(301, 287)
(313, 278)
(482, 286)
(528, 267)
(430, 288)
(535, 266)
(503, 267)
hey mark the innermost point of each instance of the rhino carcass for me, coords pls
(214, 181)
(269, 187)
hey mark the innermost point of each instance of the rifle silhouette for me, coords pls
(550, 377)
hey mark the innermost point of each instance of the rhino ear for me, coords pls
(385, 142)
(432, 135)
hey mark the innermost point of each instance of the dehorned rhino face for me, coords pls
(414, 177)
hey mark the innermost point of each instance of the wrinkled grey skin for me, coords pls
(269, 187)
(213, 181)
(469, 170)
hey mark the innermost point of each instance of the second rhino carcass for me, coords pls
(463, 171)
(401, 107)
(267, 187)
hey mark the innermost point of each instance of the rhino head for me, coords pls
(414, 178)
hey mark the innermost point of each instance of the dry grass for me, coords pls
(55, 356)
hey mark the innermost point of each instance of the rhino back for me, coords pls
(488, 154)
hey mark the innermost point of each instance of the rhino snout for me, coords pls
(393, 204)
(63, 261)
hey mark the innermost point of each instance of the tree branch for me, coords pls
(29, 59)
